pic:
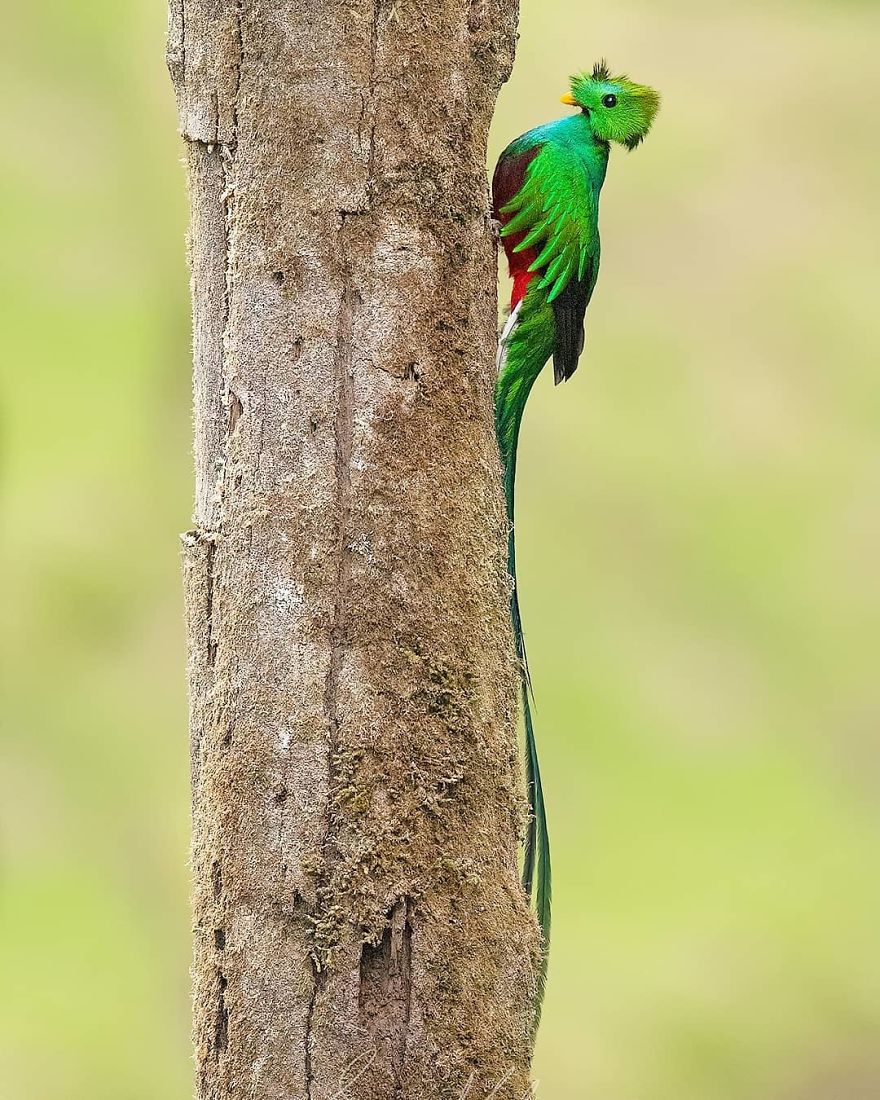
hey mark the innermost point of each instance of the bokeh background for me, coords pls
(699, 546)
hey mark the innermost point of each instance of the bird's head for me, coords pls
(618, 109)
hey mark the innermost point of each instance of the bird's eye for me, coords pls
(609, 100)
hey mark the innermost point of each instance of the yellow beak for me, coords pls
(569, 100)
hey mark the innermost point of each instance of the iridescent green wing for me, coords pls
(556, 209)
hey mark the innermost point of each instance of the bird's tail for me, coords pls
(537, 847)
(524, 348)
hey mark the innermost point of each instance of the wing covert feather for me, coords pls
(556, 209)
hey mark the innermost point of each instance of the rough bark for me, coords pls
(360, 931)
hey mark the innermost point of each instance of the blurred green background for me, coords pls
(699, 541)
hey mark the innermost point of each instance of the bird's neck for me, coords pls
(590, 150)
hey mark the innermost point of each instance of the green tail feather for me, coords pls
(526, 350)
(540, 838)
(536, 875)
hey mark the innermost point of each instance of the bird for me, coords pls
(545, 200)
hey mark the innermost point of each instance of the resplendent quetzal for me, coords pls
(545, 194)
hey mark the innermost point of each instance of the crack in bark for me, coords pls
(216, 879)
(209, 600)
(385, 992)
(344, 439)
(344, 435)
(239, 33)
(221, 1024)
(310, 1016)
(373, 88)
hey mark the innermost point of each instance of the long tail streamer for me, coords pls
(520, 360)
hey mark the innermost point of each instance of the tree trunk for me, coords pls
(360, 930)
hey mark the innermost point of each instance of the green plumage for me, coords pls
(557, 206)
(546, 196)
